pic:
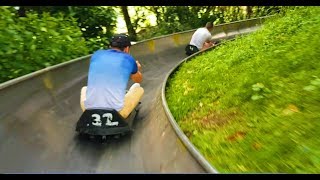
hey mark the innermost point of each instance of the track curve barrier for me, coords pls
(38, 113)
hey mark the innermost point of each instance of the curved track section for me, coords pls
(38, 113)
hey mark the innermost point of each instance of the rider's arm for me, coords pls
(208, 40)
(208, 43)
(137, 77)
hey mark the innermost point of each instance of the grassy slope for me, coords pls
(253, 104)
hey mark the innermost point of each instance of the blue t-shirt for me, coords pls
(108, 77)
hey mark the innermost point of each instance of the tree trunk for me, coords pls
(22, 11)
(131, 31)
(238, 13)
(249, 11)
(208, 10)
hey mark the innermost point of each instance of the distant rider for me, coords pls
(201, 39)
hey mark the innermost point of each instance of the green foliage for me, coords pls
(31, 43)
(253, 104)
(93, 20)
(172, 19)
(97, 23)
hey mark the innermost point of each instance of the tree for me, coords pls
(131, 31)
(33, 42)
(96, 22)
(249, 11)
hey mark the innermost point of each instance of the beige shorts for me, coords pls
(131, 99)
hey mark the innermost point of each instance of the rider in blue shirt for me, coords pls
(109, 73)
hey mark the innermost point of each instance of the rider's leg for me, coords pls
(83, 97)
(131, 99)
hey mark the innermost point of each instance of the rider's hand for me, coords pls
(139, 65)
(206, 45)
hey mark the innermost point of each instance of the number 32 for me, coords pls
(97, 120)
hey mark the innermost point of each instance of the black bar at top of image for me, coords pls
(160, 2)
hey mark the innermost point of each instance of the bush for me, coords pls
(31, 43)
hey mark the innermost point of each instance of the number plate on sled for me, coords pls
(101, 122)
(97, 121)
(101, 118)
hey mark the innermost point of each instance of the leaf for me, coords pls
(47, 64)
(195, 132)
(33, 47)
(250, 124)
(267, 90)
(69, 38)
(257, 86)
(17, 71)
(310, 88)
(256, 97)
(290, 109)
(316, 82)
(257, 145)
(43, 29)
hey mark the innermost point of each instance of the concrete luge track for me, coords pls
(38, 113)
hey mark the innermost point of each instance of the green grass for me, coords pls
(253, 104)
